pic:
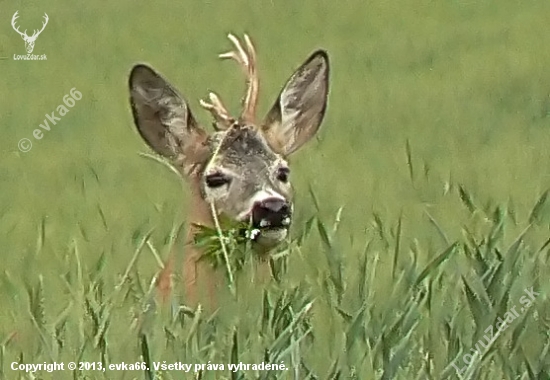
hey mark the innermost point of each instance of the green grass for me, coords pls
(426, 221)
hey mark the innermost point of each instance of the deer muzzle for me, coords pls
(271, 213)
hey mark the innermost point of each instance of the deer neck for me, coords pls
(195, 275)
(199, 212)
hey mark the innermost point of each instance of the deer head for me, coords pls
(241, 168)
(29, 40)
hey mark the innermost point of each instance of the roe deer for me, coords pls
(240, 170)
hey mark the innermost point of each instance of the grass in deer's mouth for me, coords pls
(237, 238)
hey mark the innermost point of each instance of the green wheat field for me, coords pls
(422, 211)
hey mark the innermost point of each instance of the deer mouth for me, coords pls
(270, 230)
(270, 215)
(270, 222)
(267, 232)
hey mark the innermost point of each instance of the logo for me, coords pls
(29, 40)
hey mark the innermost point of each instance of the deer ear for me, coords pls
(299, 110)
(163, 117)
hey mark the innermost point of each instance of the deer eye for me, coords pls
(282, 174)
(217, 180)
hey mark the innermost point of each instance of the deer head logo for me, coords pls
(29, 40)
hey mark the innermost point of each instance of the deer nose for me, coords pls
(271, 212)
(275, 205)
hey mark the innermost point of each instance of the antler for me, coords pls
(15, 16)
(37, 32)
(247, 59)
(223, 119)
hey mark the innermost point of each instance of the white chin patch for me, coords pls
(271, 235)
(268, 236)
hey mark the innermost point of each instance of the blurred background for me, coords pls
(437, 131)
